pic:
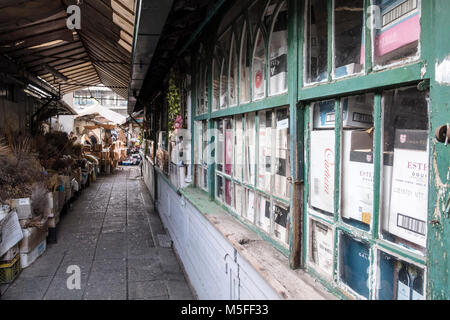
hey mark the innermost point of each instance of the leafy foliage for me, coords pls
(173, 99)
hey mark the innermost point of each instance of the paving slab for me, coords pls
(109, 235)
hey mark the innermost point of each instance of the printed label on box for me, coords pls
(409, 194)
(322, 170)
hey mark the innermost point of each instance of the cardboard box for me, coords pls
(97, 147)
(352, 68)
(281, 223)
(23, 208)
(400, 27)
(53, 222)
(26, 259)
(357, 113)
(357, 176)
(77, 175)
(10, 231)
(322, 170)
(409, 193)
(354, 262)
(264, 213)
(282, 166)
(322, 243)
(32, 237)
(10, 254)
(265, 158)
(250, 212)
(386, 192)
(239, 198)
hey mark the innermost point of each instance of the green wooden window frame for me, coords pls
(414, 72)
(336, 224)
(373, 80)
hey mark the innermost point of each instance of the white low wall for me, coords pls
(215, 269)
(148, 173)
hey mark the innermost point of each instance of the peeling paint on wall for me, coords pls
(443, 72)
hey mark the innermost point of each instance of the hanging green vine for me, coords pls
(173, 99)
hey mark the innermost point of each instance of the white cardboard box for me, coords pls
(322, 170)
(386, 193)
(321, 245)
(239, 198)
(23, 208)
(282, 169)
(250, 214)
(32, 237)
(26, 259)
(264, 213)
(357, 113)
(409, 193)
(281, 223)
(357, 179)
(357, 176)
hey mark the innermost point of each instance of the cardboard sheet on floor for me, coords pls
(10, 232)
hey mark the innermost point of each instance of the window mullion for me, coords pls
(255, 181)
(330, 39)
(367, 35)
(212, 139)
(377, 151)
(337, 159)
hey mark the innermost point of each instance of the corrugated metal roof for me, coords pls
(34, 34)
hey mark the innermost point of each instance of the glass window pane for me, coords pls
(321, 245)
(264, 213)
(354, 264)
(397, 31)
(278, 50)
(220, 146)
(228, 192)
(205, 90)
(316, 44)
(268, 14)
(250, 148)
(255, 13)
(238, 149)
(406, 167)
(244, 85)
(224, 85)
(399, 280)
(250, 205)
(228, 145)
(199, 84)
(282, 160)
(266, 142)
(233, 73)
(322, 156)
(357, 160)
(215, 84)
(259, 68)
(198, 145)
(219, 188)
(239, 198)
(281, 223)
(224, 44)
(348, 37)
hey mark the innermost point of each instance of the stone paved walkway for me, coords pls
(111, 233)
